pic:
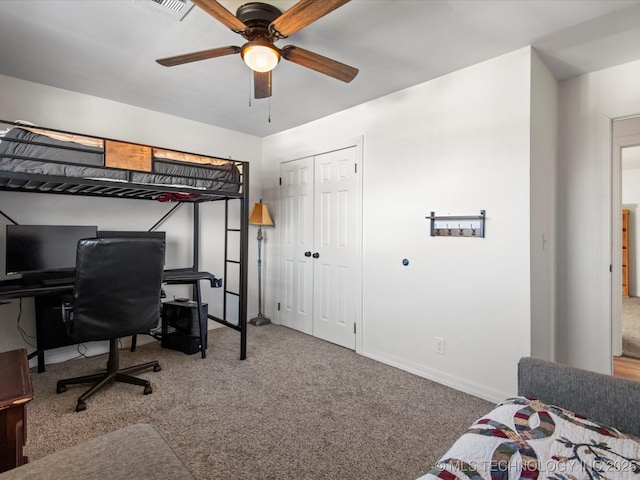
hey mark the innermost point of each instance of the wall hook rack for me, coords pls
(457, 225)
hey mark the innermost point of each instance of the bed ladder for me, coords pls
(236, 292)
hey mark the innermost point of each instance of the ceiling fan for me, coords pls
(262, 25)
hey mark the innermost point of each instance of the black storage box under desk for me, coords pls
(181, 327)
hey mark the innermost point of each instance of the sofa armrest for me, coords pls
(135, 452)
(603, 398)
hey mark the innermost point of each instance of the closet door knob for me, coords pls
(307, 254)
(316, 255)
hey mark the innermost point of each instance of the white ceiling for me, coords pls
(107, 48)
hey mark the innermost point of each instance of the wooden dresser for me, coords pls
(15, 393)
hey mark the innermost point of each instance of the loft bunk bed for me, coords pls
(45, 160)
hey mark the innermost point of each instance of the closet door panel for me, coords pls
(335, 233)
(297, 239)
(320, 205)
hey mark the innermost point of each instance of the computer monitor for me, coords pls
(131, 233)
(44, 248)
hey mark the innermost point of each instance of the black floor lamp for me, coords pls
(260, 216)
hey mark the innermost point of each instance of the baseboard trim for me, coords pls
(452, 381)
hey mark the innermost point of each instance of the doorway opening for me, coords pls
(625, 288)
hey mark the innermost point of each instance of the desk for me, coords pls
(17, 290)
(10, 289)
(15, 392)
(182, 276)
(51, 332)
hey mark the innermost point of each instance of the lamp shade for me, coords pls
(260, 214)
(260, 56)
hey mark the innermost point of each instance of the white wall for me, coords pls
(65, 110)
(454, 145)
(587, 105)
(544, 145)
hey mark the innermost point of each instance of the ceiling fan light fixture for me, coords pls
(260, 56)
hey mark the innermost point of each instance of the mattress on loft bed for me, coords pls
(206, 173)
(34, 151)
(25, 151)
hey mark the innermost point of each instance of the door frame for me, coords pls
(327, 147)
(618, 142)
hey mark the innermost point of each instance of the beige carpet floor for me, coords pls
(296, 408)
(631, 327)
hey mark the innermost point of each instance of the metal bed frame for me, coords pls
(63, 185)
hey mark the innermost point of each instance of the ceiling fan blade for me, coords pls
(195, 56)
(319, 63)
(221, 14)
(262, 84)
(302, 14)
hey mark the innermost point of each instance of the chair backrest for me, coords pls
(117, 287)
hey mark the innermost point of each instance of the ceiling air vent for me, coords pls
(175, 5)
(177, 9)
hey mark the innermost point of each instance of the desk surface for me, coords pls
(188, 276)
(14, 288)
(20, 291)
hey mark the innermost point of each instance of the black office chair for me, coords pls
(116, 294)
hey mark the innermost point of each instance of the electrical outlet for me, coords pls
(439, 345)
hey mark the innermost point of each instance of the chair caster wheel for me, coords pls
(157, 368)
(148, 390)
(61, 389)
(81, 406)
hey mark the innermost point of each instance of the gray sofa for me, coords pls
(546, 434)
(612, 401)
(137, 452)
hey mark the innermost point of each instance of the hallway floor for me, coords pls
(626, 367)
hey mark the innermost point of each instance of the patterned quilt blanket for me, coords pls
(527, 439)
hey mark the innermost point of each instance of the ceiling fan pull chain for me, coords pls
(250, 88)
(269, 110)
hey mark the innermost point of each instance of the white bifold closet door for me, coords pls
(321, 232)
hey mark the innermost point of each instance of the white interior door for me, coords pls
(320, 271)
(336, 234)
(296, 223)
